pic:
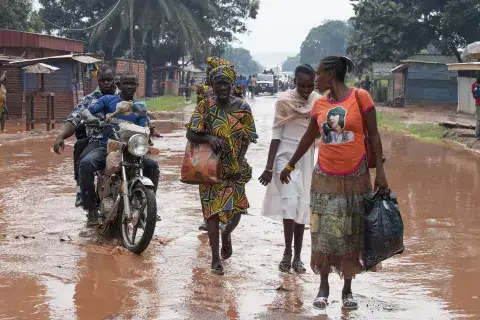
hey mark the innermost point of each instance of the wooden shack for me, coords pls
(169, 77)
(66, 84)
(18, 49)
(425, 82)
(467, 75)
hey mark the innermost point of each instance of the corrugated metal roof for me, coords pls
(422, 61)
(407, 63)
(467, 66)
(79, 58)
(17, 39)
(401, 67)
(86, 59)
(6, 59)
(40, 68)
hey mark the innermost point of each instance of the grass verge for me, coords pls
(168, 103)
(399, 123)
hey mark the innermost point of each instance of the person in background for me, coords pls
(476, 96)
(238, 91)
(367, 84)
(188, 93)
(340, 180)
(252, 87)
(106, 86)
(3, 101)
(291, 203)
(155, 87)
(245, 83)
(224, 202)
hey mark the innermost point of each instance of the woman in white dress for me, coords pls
(290, 203)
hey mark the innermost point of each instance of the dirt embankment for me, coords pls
(424, 124)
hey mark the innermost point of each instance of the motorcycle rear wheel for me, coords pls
(146, 220)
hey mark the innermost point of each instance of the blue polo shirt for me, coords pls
(108, 104)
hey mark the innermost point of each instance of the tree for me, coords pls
(165, 30)
(19, 15)
(242, 60)
(189, 26)
(330, 38)
(291, 63)
(393, 30)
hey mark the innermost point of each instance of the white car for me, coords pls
(265, 83)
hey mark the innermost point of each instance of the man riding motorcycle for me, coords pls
(96, 158)
(106, 86)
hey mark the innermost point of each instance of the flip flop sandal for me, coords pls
(218, 270)
(227, 249)
(320, 303)
(298, 267)
(349, 303)
(203, 226)
(286, 263)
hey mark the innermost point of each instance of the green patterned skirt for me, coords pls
(337, 221)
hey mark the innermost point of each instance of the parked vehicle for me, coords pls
(125, 197)
(265, 83)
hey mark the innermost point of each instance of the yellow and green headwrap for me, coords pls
(217, 67)
(215, 62)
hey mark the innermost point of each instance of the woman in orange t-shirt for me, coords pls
(341, 178)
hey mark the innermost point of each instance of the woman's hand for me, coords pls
(216, 144)
(266, 177)
(381, 184)
(285, 176)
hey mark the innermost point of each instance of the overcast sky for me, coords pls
(282, 25)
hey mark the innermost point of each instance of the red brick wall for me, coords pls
(139, 67)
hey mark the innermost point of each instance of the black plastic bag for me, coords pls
(383, 229)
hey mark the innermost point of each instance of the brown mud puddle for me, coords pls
(43, 277)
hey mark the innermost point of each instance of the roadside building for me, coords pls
(67, 85)
(424, 82)
(467, 75)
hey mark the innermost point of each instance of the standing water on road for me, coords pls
(50, 270)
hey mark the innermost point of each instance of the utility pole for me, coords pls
(130, 67)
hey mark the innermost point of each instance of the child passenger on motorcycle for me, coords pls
(96, 159)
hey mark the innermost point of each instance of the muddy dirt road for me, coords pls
(50, 270)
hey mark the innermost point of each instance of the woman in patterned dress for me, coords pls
(341, 177)
(227, 124)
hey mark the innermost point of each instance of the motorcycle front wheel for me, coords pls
(136, 235)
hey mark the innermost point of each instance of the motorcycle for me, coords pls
(124, 196)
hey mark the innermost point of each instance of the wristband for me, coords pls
(289, 167)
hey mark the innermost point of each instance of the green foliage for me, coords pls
(167, 103)
(19, 15)
(242, 60)
(387, 30)
(330, 38)
(398, 122)
(164, 29)
(291, 63)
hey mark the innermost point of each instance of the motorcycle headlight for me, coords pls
(138, 145)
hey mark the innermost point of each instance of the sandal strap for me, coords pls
(320, 299)
(298, 264)
(349, 300)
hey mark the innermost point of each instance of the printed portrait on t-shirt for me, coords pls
(334, 127)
